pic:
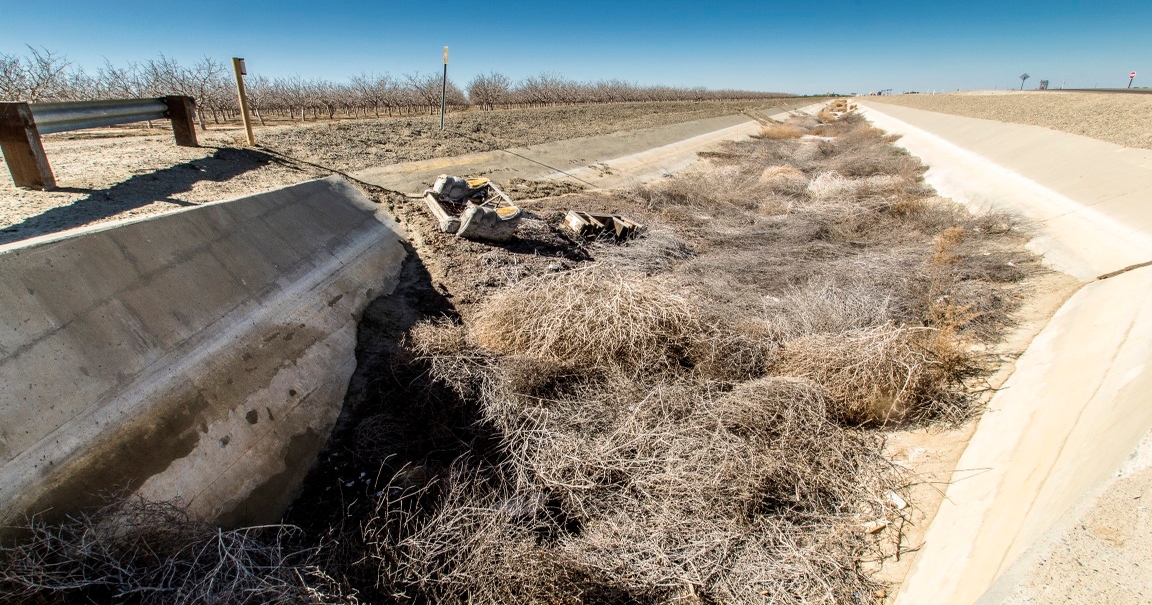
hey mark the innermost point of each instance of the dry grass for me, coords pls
(781, 131)
(600, 318)
(723, 189)
(148, 552)
(655, 489)
(832, 186)
(593, 317)
(784, 179)
(883, 374)
(693, 420)
(656, 250)
(825, 307)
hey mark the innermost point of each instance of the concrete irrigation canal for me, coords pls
(204, 355)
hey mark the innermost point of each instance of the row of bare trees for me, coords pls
(492, 90)
(41, 75)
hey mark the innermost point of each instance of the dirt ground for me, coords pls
(1124, 119)
(127, 172)
(1101, 556)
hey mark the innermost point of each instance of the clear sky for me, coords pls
(795, 46)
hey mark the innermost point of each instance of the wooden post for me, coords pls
(182, 113)
(23, 151)
(238, 67)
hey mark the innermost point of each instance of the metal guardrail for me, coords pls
(21, 125)
(60, 117)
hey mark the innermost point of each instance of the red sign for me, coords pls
(1131, 75)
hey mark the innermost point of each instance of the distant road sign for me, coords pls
(1132, 75)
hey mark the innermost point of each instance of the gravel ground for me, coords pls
(1124, 119)
(105, 179)
(126, 172)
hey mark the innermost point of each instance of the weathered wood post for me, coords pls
(241, 71)
(23, 151)
(182, 111)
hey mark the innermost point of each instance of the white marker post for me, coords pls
(1131, 76)
(444, 89)
(241, 71)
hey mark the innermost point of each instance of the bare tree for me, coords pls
(373, 91)
(426, 88)
(42, 75)
(11, 77)
(203, 81)
(130, 81)
(259, 90)
(489, 90)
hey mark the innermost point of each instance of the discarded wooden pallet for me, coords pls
(587, 223)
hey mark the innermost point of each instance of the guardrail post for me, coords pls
(181, 111)
(23, 151)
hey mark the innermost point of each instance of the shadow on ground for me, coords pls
(139, 191)
(395, 418)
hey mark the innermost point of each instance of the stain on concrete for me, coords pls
(182, 423)
(123, 461)
(264, 504)
(261, 362)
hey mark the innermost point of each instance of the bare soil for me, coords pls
(1123, 119)
(128, 172)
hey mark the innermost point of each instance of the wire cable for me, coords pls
(494, 147)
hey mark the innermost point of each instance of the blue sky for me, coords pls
(800, 47)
